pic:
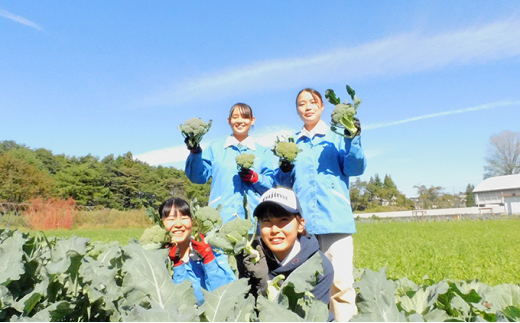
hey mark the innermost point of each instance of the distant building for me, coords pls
(499, 191)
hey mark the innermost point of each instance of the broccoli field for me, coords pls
(471, 267)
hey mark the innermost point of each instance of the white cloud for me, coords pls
(401, 54)
(265, 136)
(19, 19)
(492, 105)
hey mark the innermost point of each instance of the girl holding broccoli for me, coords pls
(192, 259)
(218, 162)
(320, 179)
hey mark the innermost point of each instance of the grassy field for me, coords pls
(458, 250)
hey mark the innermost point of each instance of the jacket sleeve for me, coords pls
(353, 158)
(199, 166)
(180, 274)
(218, 272)
(265, 176)
(283, 179)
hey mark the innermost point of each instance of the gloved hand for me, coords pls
(249, 176)
(258, 273)
(286, 166)
(203, 249)
(358, 126)
(193, 150)
(175, 255)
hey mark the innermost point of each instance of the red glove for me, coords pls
(249, 176)
(175, 255)
(203, 249)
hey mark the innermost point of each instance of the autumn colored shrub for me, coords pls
(51, 214)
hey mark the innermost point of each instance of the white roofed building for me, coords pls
(499, 191)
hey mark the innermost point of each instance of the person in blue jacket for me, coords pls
(285, 244)
(218, 163)
(320, 179)
(192, 259)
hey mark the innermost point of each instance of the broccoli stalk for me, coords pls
(245, 162)
(273, 288)
(286, 150)
(343, 114)
(194, 129)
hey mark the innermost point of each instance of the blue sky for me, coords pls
(437, 78)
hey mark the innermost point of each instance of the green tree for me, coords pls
(21, 181)
(470, 196)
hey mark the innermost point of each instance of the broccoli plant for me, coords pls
(245, 162)
(233, 237)
(193, 130)
(205, 220)
(286, 150)
(343, 114)
(155, 237)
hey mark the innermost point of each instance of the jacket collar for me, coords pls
(309, 246)
(320, 129)
(232, 141)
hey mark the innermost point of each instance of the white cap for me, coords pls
(284, 197)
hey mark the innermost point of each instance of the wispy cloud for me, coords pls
(492, 105)
(402, 54)
(19, 19)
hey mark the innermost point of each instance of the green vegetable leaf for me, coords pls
(11, 255)
(223, 301)
(147, 275)
(154, 216)
(376, 300)
(273, 312)
(331, 97)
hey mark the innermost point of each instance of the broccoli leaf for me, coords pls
(331, 97)
(222, 303)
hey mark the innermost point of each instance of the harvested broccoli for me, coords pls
(207, 218)
(194, 129)
(245, 161)
(286, 150)
(155, 236)
(342, 116)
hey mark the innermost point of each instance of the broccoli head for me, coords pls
(194, 129)
(342, 116)
(207, 218)
(155, 235)
(245, 161)
(231, 233)
(286, 150)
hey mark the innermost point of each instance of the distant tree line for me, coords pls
(124, 183)
(112, 182)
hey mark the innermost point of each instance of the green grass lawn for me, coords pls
(458, 250)
(104, 235)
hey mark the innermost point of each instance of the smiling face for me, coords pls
(280, 233)
(179, 225)
(241, 121)
(309, 109)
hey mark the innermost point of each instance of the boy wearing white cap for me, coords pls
(285, 242)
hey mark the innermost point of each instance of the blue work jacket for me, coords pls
(218, 162)
(209, 276)
(320, 179)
